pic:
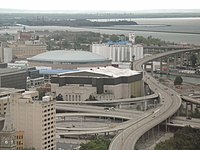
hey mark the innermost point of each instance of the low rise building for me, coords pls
(26, 50)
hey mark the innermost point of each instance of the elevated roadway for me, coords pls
(182, 122)
(190, 99)
(87, 131)
(117, 101)
(97, 110)
(171, 102)
(92, 115)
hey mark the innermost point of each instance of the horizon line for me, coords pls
(102, 11)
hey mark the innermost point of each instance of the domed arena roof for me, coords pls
(68, 56)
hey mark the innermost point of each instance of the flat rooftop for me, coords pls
(55, 71)
(8, 91)
(111, 71)
(9, 70)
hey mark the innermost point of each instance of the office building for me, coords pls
(8, 133)
(36, 118)
(12, 78)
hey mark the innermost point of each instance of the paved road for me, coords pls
(110, 128)
(170, 100)
(182, 122)
(117, 101)
(98, 110)
(190, 99)
(92, 115)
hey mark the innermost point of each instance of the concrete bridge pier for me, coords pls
(181, 59)
(198, 57)
(191, 106)
(167, 66)
(187, 110)
(155, 102)
(158, 129)
(166, 127)
(175, 61)
(161, 65)
(119, 106)
(145, 105)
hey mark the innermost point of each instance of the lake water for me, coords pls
(157, 27)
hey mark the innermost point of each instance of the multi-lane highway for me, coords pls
(190, 99)
(170, 100)
(183, 121)
(61, 131)
(117, 101)
(98, 110)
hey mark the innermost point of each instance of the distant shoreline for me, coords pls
(111, 28)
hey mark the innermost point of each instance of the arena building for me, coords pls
(100, 83)
(68, 59)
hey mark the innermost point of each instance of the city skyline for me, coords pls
(89, 5)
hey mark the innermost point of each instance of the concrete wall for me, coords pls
(68, 66)
(26, 51)
(8, 55)
(73, 90)
(136, 88)
(118, 91)
(118, 53)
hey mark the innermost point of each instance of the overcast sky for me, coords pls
(123, 5)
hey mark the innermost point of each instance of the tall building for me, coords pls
(122, 51)
(5, 53)
(8, 134)
(4, 96)
(36, 118)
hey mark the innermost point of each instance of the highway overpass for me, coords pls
(171, 102)
(183, 121)
(117, 101)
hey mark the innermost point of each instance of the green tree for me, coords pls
(114, 38)
(98, 144)
(186, 138)
(193, 59)
(178, 80)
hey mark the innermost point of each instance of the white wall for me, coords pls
(8, 55)
(118, 53)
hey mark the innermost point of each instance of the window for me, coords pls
(79, 98)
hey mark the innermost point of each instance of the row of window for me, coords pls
(47, 110)
(45, 106)
(49, 132)
(48, 114)
(73, 97)
(50, 145)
